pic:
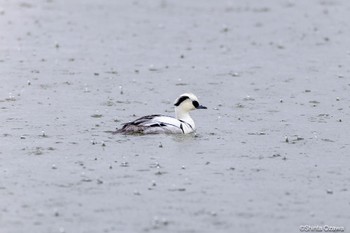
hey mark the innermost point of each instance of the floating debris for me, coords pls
(275, 155)
(329, 191)
(177, 189)
(158, 173)
(152, 68)
(96, 115)
(212, 213)
(56, 213)
(327, 140)
(234, 74)
(137, 193)
(154, 183)
(124, 164)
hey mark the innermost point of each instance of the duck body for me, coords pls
(155, 124)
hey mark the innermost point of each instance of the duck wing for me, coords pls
(152, 124)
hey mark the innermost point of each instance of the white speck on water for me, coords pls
(29, 83)
(11, 96)
(43, 133)
(234, 74)
(53, 166)
(121, 90)
(248, 98)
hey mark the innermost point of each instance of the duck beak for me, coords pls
(201, 107)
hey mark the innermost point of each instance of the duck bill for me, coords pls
(201, 107)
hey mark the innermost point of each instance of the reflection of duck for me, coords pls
(153, 124)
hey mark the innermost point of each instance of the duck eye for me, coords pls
(195, 104)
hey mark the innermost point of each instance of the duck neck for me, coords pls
(184, 116)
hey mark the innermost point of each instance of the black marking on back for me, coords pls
(182, 128)
(181, 99)
(158, 125)
(186, 124)
(140, 120)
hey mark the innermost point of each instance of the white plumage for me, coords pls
(153, 124)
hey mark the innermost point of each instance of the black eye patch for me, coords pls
(195, 104)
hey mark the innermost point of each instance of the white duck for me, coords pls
(154, 124)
